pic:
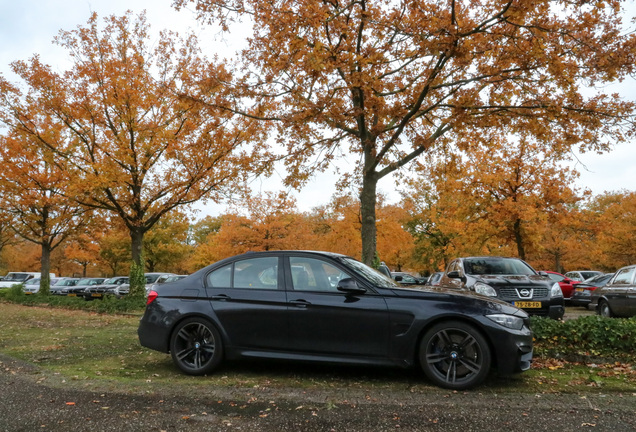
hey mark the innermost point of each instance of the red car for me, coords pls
(566, 284)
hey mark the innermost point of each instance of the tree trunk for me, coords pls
(519, 239)
(45, 269)
(137, 279)
(368, 201)
(557, 262)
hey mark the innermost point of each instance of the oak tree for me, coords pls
(136, 148)
(33, 188)
(387, 81)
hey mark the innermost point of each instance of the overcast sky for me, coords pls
(28, 27)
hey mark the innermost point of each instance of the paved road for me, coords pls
(31, 401)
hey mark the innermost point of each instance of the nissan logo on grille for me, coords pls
(524, 293)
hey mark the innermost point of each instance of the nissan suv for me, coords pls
(509, 279)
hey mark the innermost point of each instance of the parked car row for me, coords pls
(95, 287)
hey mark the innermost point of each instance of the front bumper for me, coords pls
(513, 351)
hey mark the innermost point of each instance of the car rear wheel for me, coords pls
(196, 346)
(455, 355)
(604, 310)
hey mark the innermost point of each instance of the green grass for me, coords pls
(101, 352)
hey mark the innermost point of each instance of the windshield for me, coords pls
(370, 274)
(151, 278)
(16, 277)
(89, 281)
(66, 282)
(111, 281)
(590, 274)
(497, 266)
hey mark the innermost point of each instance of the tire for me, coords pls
(604, 310)
(455, 355)
(196, 346)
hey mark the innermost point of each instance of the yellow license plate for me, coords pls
(96, 295)
(579, 290)
(72, 295)
(527, 304)
(28, 293)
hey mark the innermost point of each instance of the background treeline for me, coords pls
(420, 236)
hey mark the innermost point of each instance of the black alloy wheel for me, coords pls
(455, 355)
(196, 346)
(604, 310)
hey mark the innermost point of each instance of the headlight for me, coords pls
(556, 290)
(485, 289)
(512, 322)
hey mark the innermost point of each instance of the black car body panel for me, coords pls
(374, 322)
(526, 289)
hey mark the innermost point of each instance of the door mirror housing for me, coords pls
(454, 275)
(350, 286)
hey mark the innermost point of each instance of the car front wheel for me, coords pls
(455, 355)
(196, 346)
(604, 310)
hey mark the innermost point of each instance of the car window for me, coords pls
(624, 276)
(555, 277)
(310, 274)
(256, 273)
(372, 275)
(408, 278)
(574, 276)
(453, 266)
(221, 278)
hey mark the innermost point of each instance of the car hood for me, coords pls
(513, 280)
(463, 295)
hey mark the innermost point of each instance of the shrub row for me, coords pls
(108, 304)
(585, 338)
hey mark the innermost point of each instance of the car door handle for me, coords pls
(300, 303)
(220, 297)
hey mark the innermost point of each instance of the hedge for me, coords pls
(586, 337)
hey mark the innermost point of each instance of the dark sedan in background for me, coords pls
(618, 297)
(583, 291)
(325, 307)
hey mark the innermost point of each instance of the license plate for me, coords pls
(72, 295)
(96, 295)
(579, 290)
(527, 304)
(28, 293)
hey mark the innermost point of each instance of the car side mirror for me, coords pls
(350, 286)
(454, 275)
(398, 279)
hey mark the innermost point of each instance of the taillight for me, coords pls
(152, 295)
(592, 288)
